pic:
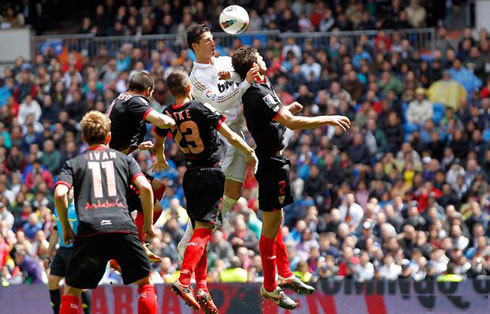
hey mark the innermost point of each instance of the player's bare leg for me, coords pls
(272, 221)
(233, 191)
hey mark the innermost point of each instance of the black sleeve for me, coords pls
(139, 107)
(264, 102)
(211, 115)
(134, 169)
(159, 131)
(66, 175)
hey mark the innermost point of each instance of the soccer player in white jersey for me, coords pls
(214, 82)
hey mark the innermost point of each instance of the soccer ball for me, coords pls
(234, 19)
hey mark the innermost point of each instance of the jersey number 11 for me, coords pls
(108, 166)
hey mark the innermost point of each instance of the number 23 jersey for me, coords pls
(101, 177)
(196, 133)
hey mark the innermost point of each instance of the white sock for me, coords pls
(227, 205)
(189, 231)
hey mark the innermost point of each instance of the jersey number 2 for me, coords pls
(192, 138)
(108, 166)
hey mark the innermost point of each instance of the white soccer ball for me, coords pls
(234, 19)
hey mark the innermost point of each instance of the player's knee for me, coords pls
(272, 222)
(53, 282)
(233, 189)
(73, 291)
(206, 225)
(144, 281)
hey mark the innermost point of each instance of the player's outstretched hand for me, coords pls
(295, 107)
(148, 232)
(161, 163)
(252, 73)
(253, 162)
(340, 121)
(68, 235)
(224, 75)
(148, 145)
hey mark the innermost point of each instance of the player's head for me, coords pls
(179, 85)
(141, 82)
(245, 58)
(200, 40)
(96, 128)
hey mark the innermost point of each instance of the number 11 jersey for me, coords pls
(196, 133)
(101, 177)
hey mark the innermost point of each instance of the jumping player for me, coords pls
(129, 113)
(196, 134)
(101, 178)
(60, 261)
(267, 119)
(210, 84)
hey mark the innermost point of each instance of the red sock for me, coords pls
(158, 193)
(282, 257)
(202, 272)
(147, 301)
(69, 304)
(193, 253)
(268, 256)
(140, 221)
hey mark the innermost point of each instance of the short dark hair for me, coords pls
(177, 83)
(194, 33)
(140, 81)
(243, 60)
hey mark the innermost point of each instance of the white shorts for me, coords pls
(234, 163)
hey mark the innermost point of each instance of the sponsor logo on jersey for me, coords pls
(106, 222)
(225, 85)
(271, 102)
(211, 94)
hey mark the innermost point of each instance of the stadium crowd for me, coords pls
(404, 194)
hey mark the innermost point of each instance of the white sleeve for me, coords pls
(203, 90)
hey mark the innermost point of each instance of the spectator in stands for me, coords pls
(351, 212)
(420, 109)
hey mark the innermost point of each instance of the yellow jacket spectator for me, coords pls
(235, 273)
(447, 92)
(303, 273)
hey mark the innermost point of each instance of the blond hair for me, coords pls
(95, 127)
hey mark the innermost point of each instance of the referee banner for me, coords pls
(332, 296)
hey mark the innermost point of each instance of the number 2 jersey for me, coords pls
(196, 133)
(101, 177)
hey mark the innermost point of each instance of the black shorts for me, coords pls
(133, 196)
(274, 184)
(60, 261)
(203, 190)
(90, 255)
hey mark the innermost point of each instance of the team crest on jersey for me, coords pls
(271, 102)
(211, 94)
(281, 199)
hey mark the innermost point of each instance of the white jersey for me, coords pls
(224, 95)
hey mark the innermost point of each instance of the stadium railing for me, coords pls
(88, 44)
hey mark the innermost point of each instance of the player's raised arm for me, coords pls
(285, 117)
(238, 142)
(160, 120)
